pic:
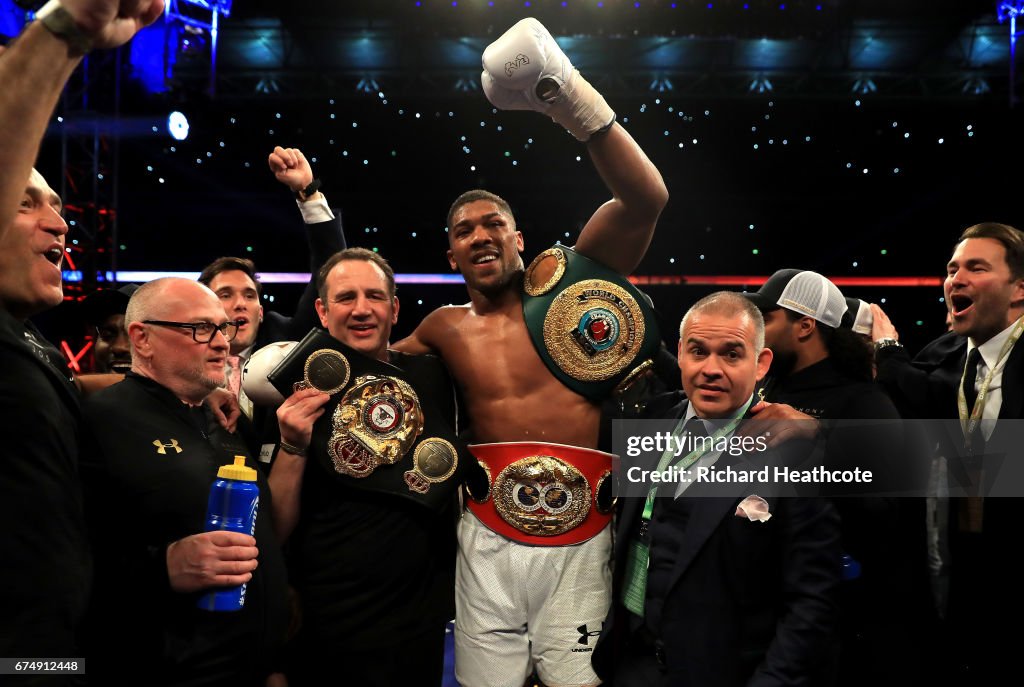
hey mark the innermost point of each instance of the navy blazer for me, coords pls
(985, 566)
(749, 603)
(928, 386)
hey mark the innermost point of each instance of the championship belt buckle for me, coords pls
(376, 423)
(434, 460)
(325, 370)
(594, 330)
(544, 273)
(542, 496)
(634, 376)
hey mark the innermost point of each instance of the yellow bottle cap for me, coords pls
(237, 471)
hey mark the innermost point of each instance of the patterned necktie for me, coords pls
(233, 373)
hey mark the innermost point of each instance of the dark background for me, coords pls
(734, 209)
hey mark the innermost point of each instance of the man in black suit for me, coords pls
(235, 283)
(974, 373)
(739, 591)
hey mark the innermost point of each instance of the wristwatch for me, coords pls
(305, 193)
(61, 24)
(886, 343)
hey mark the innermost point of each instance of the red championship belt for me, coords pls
(544, 494)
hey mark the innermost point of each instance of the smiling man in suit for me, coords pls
(736, 591)
(974, 373)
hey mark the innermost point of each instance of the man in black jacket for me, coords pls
(824, 371)
(974, 373)
(150, 452)
(235, 283)
(738, 591)
(44, 579)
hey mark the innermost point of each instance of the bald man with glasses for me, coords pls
(150, 452)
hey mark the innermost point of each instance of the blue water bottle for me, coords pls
(234, 501)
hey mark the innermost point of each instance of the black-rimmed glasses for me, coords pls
(202, 332)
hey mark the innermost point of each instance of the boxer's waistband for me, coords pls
(544, 494)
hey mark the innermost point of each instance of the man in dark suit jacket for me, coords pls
(240, 293)
(234, 279)
(732, 597)
(984, 290)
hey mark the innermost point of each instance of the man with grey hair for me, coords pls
(723, 302)
(720, 590)
(152, 449)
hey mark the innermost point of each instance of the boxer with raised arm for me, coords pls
(534, 351)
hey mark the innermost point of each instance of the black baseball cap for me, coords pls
(767, 297)
(101, 304)
(858, 316)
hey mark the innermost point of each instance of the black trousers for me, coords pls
(416, 661)
(639, 663)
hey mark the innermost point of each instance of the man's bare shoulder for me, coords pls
(445, 317)
(458, 310)
(431, 333)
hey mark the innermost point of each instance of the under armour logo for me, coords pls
(162, 447)
(585, 636)
(510, 67)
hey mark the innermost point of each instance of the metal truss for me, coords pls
(89, 110)
(1011, 11)
(876, 59)
(194, 22)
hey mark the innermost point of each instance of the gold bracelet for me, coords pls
(294, 450)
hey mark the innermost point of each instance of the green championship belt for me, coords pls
(382, 430)
(589, 324)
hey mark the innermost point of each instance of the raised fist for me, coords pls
(526, 70)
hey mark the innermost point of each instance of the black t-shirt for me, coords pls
(373, 568)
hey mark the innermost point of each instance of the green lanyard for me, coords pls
(634, 590)
(968, 423)
(693, 456)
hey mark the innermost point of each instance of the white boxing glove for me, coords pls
(260, 364)
(526, 70)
